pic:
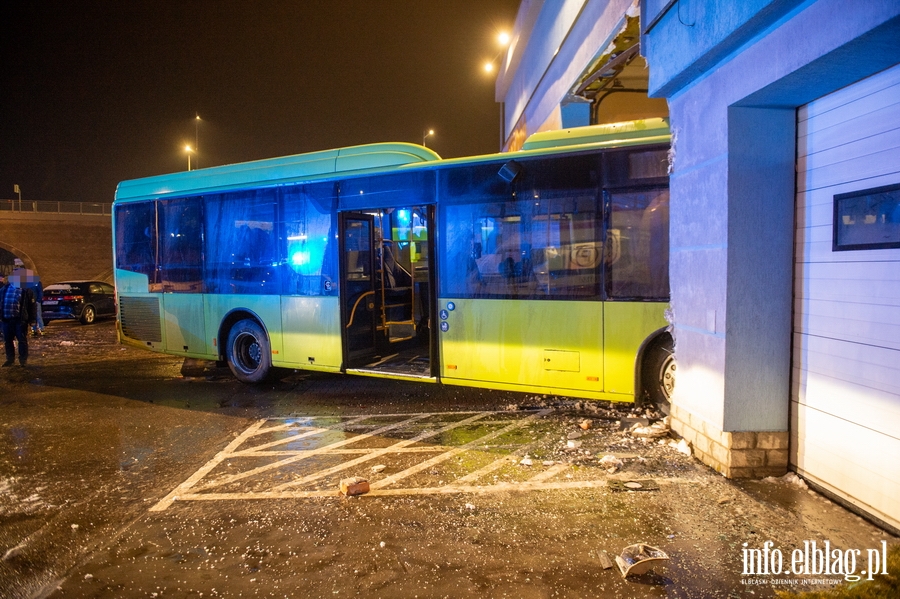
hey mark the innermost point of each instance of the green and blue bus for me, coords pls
(543, 270)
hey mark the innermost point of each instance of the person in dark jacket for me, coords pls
(15, 313)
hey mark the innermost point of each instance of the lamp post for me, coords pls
(196, 136)
(428, 134)
(189, 150)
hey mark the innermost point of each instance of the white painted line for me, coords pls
(454, 452)
(380, 452)
(199, 474)
(503, 487)
(309, 433)
(429, 449)
(379, 416)
(549, 473)
(506, 460)
(325, 449)
(197, 488)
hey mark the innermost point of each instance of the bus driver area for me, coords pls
(479, 452)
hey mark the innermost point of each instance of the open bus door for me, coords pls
(388, 286)
(358, 297)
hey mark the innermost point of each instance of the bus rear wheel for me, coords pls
(248, 352)
(658, 373)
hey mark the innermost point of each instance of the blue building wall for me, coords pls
(734, 74)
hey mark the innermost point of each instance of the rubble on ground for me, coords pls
(355, 485)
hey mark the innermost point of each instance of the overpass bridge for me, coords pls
(58, 240)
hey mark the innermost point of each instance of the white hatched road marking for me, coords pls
(201, 485)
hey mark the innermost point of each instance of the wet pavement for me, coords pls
(120, 477)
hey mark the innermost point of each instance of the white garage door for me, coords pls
(845, 404)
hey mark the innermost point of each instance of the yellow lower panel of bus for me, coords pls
(546, 347)
(556, 345)
(311, 331)
(626, 326)
(304, 332)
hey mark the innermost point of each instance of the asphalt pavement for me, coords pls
(122, 477)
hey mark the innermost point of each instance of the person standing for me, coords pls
(37, 325)
(15, 322)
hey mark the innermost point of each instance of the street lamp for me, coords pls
(189, 151)
(428, 134)
(503, 41)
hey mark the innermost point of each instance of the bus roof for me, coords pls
(313, 165)
(642, 131)
(380, 157)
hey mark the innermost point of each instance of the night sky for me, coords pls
(95, 91)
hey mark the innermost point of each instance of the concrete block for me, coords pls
(777, 458)
(741, 473)
(716, 434)
(702, 443)
(742, 440)
(679, 413)
(748, 458)
(680, 427)
(720, 453)
(688, 433)
(770, 471)
(772, 440)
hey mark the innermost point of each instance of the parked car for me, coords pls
(80, 300)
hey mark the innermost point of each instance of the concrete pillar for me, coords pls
(731, 273)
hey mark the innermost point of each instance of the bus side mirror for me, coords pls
(509, 171)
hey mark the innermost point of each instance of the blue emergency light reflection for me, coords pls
(306, 255)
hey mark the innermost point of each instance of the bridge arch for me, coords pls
(57, 247)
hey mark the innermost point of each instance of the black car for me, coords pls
(80, 300)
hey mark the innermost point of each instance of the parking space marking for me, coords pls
(207, 468)
(380, 452)
(240, 459)
(547, 474)
(218, 459)
(454, 452)
(304, 455)
(496, 464)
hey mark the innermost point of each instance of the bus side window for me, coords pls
(638, 245)
(136, 238)
(180, 246)
(241, 253)
(538, 236)
(309, 233)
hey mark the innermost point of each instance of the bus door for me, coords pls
(388, 289)
(358, 291)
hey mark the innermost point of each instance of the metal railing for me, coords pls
(90, 208)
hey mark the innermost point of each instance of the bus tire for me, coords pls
(658, 373)
(248, 353)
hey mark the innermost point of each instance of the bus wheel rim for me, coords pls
(247, 351)
(667, 376)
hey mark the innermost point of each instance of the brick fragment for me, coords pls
(354, 486)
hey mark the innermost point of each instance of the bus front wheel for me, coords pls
(658, 373)
(248, 353)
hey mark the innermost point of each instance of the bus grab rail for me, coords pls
(356, 305)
